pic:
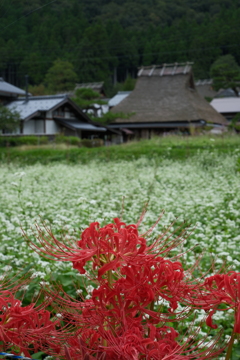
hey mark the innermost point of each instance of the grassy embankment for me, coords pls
(173, 147)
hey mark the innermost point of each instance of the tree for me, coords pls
(61, 76)
(225, 73)
(90, 102)
(9, 120)
(88, 99)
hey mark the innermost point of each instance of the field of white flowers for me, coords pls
(203, 190)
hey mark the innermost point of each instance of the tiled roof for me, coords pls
(226, 105)
(165, 69)
(7, 89)
(75, 125)
(118, 98)
(27, 109)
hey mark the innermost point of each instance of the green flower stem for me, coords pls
(230, 346)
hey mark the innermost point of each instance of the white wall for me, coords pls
(51, 127)
(39, 126)
(29, 127)
(32, 127)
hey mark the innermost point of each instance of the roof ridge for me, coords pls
(166, 69)
(43, 97)
(166, 65)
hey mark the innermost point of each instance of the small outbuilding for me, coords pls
(165, 99)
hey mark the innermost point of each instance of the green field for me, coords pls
(175, 148)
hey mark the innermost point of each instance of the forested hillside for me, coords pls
(99, 37)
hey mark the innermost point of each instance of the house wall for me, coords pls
(32, 127)
(29, 127)
(39, 127)
(52, 127)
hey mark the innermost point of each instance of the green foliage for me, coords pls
(174, 148)
(86, 98)
(22, 140)
(9, 119)
(129, 84)
(92, 143)
(61, 76)
(38, 90)
(225, 73)
(100, 37)
(69, 140)
(87, 94)
(110, 117)
(234, 124)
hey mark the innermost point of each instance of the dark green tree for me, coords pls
(61, 76)
(92, 54)
(225, 73)
(87, 99)
(9, 120)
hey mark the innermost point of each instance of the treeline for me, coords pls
(109, 40)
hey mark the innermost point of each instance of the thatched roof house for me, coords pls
(165, 97)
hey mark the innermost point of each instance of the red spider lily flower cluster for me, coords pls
(24, 327)
(139, 296)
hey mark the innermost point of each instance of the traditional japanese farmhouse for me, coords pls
(50, 115)
(164, 99)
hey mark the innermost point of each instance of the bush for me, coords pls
(43, 140)
(71, 140)
(91, 143)
(22, 140)
(60, 139)
(27, 140)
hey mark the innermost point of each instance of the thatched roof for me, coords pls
(166, 93)
(205, 88)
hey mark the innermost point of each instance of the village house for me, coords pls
(165, 99)
(49, 115)
(229, 107)
(53, 114)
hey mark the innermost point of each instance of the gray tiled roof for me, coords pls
(7, 89)
(35, 104)
(118, 98)
(79, 125)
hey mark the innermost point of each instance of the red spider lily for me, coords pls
(106, 247)
(223, 289)
(124, 319)
(23, 325)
